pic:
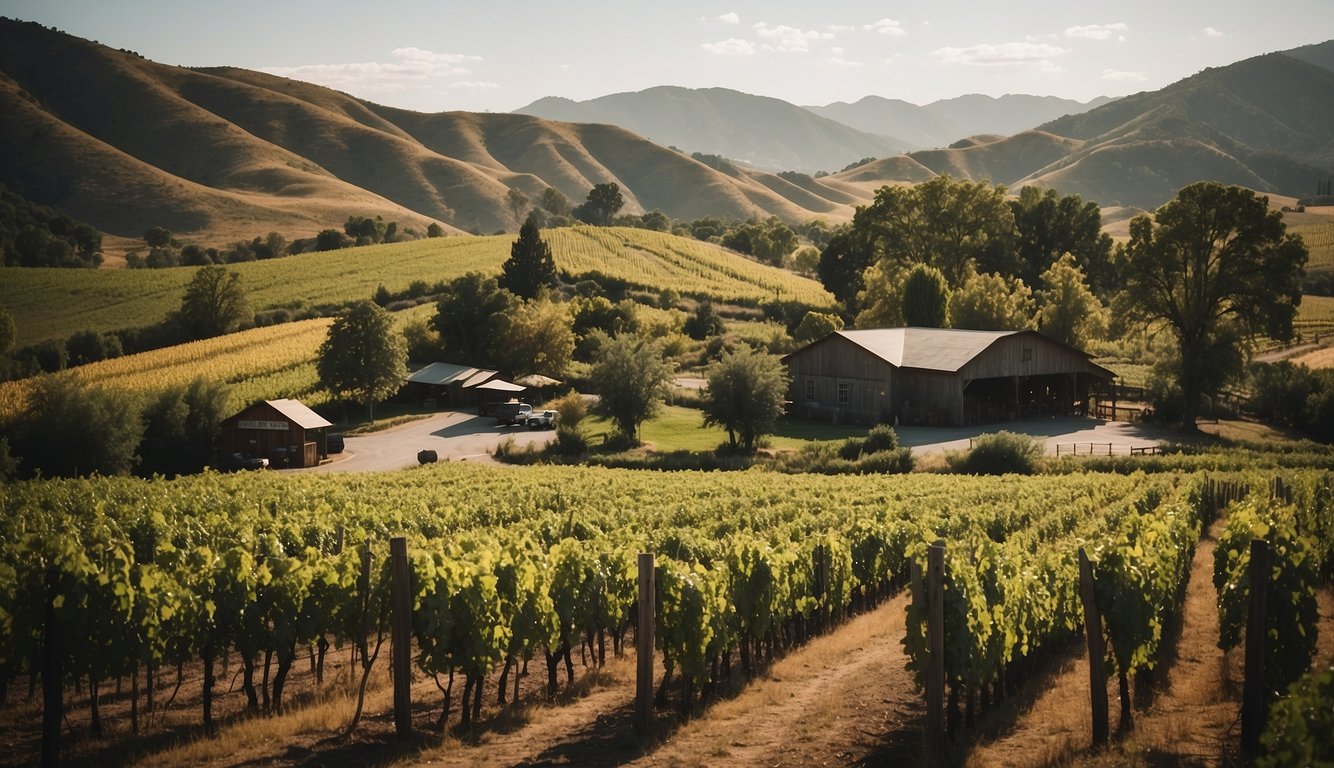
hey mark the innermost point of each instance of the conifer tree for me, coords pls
(530, 266)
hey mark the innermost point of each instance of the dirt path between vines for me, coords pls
(843, 699)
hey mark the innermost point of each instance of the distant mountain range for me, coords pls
(219, 154)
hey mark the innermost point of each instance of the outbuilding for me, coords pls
(449, 385)
(942, 376)
(285, 432)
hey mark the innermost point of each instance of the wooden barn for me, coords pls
(285, 432)
(447, 385)
(941, 377)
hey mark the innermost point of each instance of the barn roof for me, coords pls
(933, 349)
(299, 414)
(445, 373)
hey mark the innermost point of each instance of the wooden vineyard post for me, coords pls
(644, 647)
(935, 639)
(1254, 697)
(1097, 650)
(401, 635)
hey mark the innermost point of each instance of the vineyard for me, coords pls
(120, 578)
(55, 303)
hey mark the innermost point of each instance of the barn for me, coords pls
(941, 377)
(285, 432)
(448, 385)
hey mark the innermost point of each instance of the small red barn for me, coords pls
(285, 432)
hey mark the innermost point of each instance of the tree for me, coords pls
(181, 428)
(530, 266)
(843, 265)
(363, 357)
(331, 240)
(516, 200)
(1213, 257)
(539, 339)
(992, 303)
(816, 325)
(71, 428)
(1048, 225)
(215, 303)
(471, 317)
(704, 322)
(925, 298)
(1069, 312)
(158, 237)
(554, 202)
(632, 376)
(435, 230)
(948, 224)
(603, 203)
(365, 230)
(744, 395)
(8, 331)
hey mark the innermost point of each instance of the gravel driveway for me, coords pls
(452, 435)
(1120, 435)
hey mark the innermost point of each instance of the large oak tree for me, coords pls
(1213, 261)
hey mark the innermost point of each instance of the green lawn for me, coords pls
(682, 429)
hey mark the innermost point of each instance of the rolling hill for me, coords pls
(760, 131)
(946, 121)
(115, 140)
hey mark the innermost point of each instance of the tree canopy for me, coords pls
(925, 298)
(363, 357)
(215, 303)
(603, 203)
(632, 377)
(530, 266)
(1069, 312)
(472, 315)
(744, 395)
(1048, 226)
(992, 302)
(1214, 261)
(516, 200)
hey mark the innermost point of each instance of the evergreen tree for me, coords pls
(530, 266)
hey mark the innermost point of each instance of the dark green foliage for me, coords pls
(1049, 225)
(744, 395)
(998, 454)
(72, 429)
(1279, 391)
(1213, 265)
(926, 298)
(842, 264)
(704, 322)
(434, 230)
(554, 203)
(471, 317)
(215, 303)
(8, 332)
(530, 267)
(363, 357)
(603, 203)
(632, 377)
(158, 237)
(90, 346)
(36, 236)
(1300, 730)
(331, 240)
(364, 230)
(877, 453)
(181, 428)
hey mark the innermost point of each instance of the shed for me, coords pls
(942, 376)
(285, 432)
(448, 385)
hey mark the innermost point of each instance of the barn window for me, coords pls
(844, 392)
(810, 390)
(1027, 354)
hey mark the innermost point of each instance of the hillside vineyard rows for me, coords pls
(120, 575)
(54, 303)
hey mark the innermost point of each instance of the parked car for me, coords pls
(513, 413)
(542, 420)
(243, 460)
(334, 443)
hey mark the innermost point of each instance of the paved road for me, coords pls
(453, 435)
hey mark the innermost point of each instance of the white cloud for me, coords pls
(407, 68)
(840, 28)
(1211, 32)
(887, 27)
(1098, 31)
(1119, 76)
(1036, 55)
(729, 18)
(787, 39)
(473, 86)
(732, 46)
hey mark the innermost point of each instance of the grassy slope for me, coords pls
(54, 303)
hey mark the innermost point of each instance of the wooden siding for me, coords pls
(1005, 358)
(294, 447)
(826, 364)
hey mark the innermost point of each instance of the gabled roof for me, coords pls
(932, 349)
(299, 414)
(444, 373)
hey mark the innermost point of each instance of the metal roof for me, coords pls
(444, 373)
(932, 349)
(299, 414)
(499, 385)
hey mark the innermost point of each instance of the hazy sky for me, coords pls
(502, 54)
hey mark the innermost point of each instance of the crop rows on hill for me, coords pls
(55, 303)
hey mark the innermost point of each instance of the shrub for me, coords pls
(1301, 727)
(998, 454)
